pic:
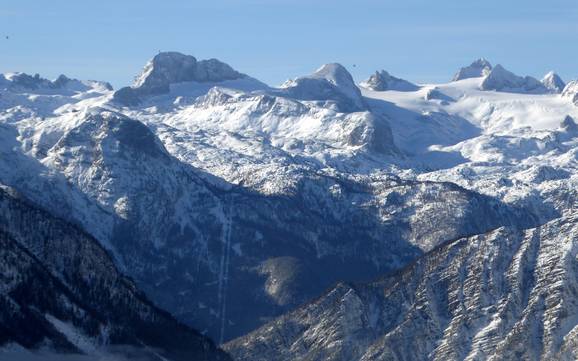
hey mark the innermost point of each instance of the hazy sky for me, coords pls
(272, 40)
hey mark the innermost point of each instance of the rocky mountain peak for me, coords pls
(172, 67)
(168, 68)
(553, 82)
(500, 79)
(382, 80)
(480, 67)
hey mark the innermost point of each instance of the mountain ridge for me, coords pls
(231, 203)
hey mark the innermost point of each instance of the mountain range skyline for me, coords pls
(288, 180)
(418, 40)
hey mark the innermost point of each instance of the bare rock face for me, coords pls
(504, 295)
(382, 80)
(479, 68)
(500, 79)
(173, 68)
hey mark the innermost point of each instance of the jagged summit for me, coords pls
(382, 80)
(169, 68)
(330, 82)
(553, 82)
(500, 79)
(478, 68)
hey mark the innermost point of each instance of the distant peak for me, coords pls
(172, 67)
(63, 85)
(478, 68)
(481, 63)
(330, 82)
(382, 81)
(500, 79)
(335, 73)
(553, 82)
(167, 68)
(331, 68)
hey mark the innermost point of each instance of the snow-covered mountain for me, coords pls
(553, 82)
(499, 79)
(504, 295)
(230, 202)
(503, 80)
(331, 83)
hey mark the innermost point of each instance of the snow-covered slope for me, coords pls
(331, 82)
(504, 295)
(261, 182)
(571, 91)
(176, 229)
(231, 202)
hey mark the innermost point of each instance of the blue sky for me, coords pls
(424, 41)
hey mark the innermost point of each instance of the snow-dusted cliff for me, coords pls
(504, 295)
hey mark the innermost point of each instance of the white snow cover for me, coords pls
(488, 130)
(455, 128)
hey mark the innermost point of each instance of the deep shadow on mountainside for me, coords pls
(61, 291)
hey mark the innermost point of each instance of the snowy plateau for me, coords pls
(201, 214)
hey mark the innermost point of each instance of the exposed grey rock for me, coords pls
(477, 69)
(501, 79)
(382, 80)
(569, 125)
(173, 68)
